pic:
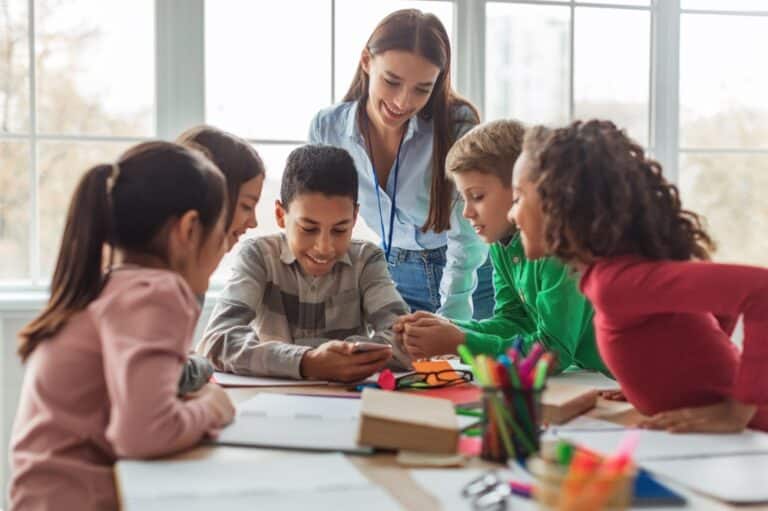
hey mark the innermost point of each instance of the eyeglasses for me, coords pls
(433, 379)
(489, 492)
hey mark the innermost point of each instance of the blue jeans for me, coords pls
(417, 274)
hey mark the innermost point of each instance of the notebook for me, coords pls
(659, 445)
(649, 492)
(399, 420)
(320, 482)
(740, 479)
(296, 422)
(236, 380)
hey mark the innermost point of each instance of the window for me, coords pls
(265, 84)
(79, 90)
(549, 63)
(724, 125)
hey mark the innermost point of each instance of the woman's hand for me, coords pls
(337, 361)
(726, 417)
(425, 335)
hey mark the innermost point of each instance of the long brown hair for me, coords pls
(603, 197)
(126, 204)
(423, 34)
(236, 158)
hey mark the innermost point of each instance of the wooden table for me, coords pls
(381, 469)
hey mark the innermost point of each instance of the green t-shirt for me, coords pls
(540, 301)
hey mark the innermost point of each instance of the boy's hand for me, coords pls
(726, 417)
(425, 335)
(336, 361)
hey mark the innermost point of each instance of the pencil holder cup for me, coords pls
(511, 425)
(558, 490)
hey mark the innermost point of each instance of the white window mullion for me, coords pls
(469, 50)
(180, 65)
(665, 121)
(34, 216)
(571, 60)
(334, 99)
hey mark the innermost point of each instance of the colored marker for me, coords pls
(530, 361)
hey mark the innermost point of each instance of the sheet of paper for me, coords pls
(589, 379)
(658, 445)
(320, 481)
(445, 486)
(466, 421)
(290, 405)
(738, 479)
(374, 499)
(236, 380)
(585, 423)
(296, 422)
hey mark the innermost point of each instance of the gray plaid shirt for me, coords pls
(270, 312)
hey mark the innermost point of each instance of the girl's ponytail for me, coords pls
(77, 279)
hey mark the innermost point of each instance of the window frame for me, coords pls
(180, 84)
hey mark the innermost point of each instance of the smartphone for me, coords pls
(360, 347)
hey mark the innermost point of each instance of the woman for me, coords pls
(398, 120)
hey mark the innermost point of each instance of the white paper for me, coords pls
(586, 423)
(236, 380)
(740, 479)
(296, 422)
(309, 407)
(657, 445)
(445, 485)
(466, 421)
(316, 482)
(591, 379)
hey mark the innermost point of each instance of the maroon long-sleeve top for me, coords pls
(664, 330)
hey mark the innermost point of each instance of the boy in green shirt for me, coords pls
(537, 300)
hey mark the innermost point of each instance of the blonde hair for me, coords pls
(491, 148)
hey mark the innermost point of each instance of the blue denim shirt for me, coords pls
(337, 126)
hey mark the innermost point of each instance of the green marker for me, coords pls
(469, 412)
(564, 453)
(467, 358)
(541, 374)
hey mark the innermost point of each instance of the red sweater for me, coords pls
(663, 329)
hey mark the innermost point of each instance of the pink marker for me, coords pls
(527, 365)
(386, 380)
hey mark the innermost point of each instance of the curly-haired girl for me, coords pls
(588, 195)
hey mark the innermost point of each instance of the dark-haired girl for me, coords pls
(244, 173)
(664, 314)
(398, 120)
(243, 169)
(103, 358)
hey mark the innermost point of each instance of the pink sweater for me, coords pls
(663, 329)
(105, 388)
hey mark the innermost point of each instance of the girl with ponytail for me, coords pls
(104, 357)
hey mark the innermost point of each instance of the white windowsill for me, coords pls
(33, 300)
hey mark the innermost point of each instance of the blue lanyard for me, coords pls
(386, 241)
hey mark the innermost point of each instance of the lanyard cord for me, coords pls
(386, 241)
